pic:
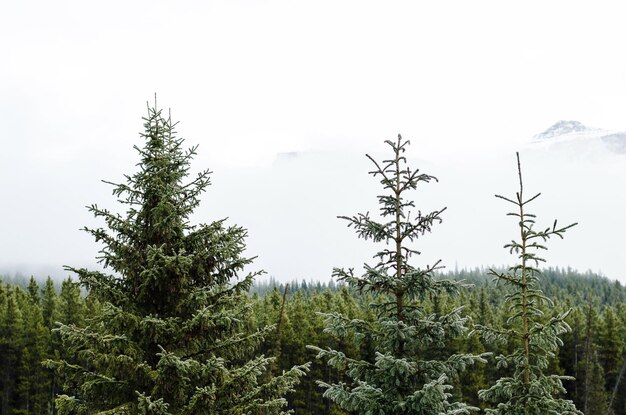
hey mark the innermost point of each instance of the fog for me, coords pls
(290, 209)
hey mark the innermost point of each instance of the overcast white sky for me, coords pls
(252, 79)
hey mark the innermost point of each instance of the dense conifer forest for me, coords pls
(175, 323)
(593, 352)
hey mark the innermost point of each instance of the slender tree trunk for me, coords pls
(616, 388)
(525, 328)
(398, 240)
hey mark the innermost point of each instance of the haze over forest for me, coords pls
(290, 207)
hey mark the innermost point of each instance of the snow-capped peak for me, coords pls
(564, 127)
(574, 137)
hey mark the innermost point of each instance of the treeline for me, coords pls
(593, 353)
(29, 312)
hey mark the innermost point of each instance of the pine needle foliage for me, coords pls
(530, 390)
(172, 336)
(403, 376)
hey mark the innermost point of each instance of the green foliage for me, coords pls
(11, 338)
(171, 336)
(24, 341)
(597, 395)
(529, 390)
(399, 377)
(49, 302)
(303, 325)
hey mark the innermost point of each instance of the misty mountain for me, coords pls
(575, 135)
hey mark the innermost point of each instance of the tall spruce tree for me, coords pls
(530, 390)
(403, 376)
(171, 337)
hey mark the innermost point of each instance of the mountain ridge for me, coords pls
(574, 131)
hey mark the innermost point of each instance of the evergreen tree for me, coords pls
(33, 290)
(71, 306)
(170, 338)
(11, 352)
(49, 303)
(400, 378)
(49, 308)
(589, 353)
(530, 390)
(597, 396)
(485, 314)
(34, 380)
(572, 356)
(611, 346)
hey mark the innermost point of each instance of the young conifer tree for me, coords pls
(171, 338)
(403, 376)
(530, 390)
